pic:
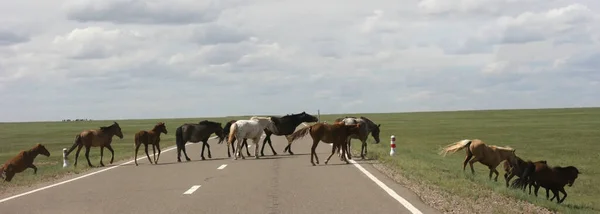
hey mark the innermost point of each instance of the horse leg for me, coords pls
(87, 155)
(137, 146)
(202, 152)
(153, 153)
(245, 145)
(471, 162)
(146, 150)
(262, 149)
(313, 153)
(256, 142)
(495, 172)
(208, 147)
(232, 148)
(508, 177)
(363, 149)
(271, 145)
(112, 153)
(34, 168)
(77, 154)
(345, 150)
(333, 148)
(101, 155)
(157, 148)
(469, 156)
(288, 148)
(562, 189)
(185, 153)
(178, 154)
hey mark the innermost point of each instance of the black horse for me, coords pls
(195, 133)
(286, 125)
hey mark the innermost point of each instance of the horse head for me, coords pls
(305, 117)
(161, 127)
(570, 173)
(220, 133)
(116, 129)
(375, 133)
(41, 149)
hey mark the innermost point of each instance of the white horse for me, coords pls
(249, 129)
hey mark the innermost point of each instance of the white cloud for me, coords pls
(118, 58)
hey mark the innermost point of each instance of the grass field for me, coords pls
(560, 136)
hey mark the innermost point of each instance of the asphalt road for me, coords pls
(271, 184)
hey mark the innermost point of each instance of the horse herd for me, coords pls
(339, 134)
(535, 174)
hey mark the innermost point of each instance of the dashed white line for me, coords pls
(192, 189)
(389, 191)
(222, 166)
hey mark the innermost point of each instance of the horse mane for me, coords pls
(503, 148)
(207, 122)
(105, 128)
(370, 122)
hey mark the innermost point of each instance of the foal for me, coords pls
(151, 137)
(22, 161)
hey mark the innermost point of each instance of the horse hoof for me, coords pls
(209, 156)
(187, 159)
(256, 157)
(291, 153)
(244, 158)
(203, 158)
(178, 160)
(325, 162)
(274, 153)
(313, 164)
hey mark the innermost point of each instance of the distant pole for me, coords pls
(65, 157)
(319, 114)
(393, 146)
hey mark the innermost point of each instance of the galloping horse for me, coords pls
(249, 129)
(22, 161)
(551, 178)
(336, 134)
(96, 138)
(151, 137)
(517, 169)
(226, 131)
(195, 133)
(491, 156)
(367, 126)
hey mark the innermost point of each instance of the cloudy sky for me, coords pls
(114, 59)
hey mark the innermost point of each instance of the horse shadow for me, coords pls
(175, 162)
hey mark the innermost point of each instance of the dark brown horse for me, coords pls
(336, 134)
(551, 178)
(151, 137)
(22, 161)
(517, 169)
(491, 156)
(194, 133)
(101, 137)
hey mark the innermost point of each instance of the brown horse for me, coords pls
(96, 138)
(336, 134)
(22, 161)
(551, 178)
(491, 156)
(517, 169)
(151, 137)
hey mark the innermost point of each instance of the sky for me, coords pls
(124, 59)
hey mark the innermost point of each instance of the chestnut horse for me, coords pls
(491, 156)
(22, 161)
(336, 134)
(96, 138)
(551, 178)
(151, 137)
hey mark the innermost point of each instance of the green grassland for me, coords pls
(560, 136)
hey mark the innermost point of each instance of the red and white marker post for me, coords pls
(65, 163)
(393, 146)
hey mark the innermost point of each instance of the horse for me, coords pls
(96, 138)
(551, 178)
(226, 131)
(516, 169)
(367, 127)
(248, 129)
(195, 133)
(336, 134)
(285, 126)
(151, 137)
(491, 156)
(22, 161)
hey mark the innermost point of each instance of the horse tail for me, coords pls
(179, 137)
(76, 142)
(452, 148)
(298, 134)
(232, 130)
(525, 177)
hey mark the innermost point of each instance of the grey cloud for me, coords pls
(10, 38)
(218, 34)
(141, 12)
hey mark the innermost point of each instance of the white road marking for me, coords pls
(222, 166)
(77, 178)
(192, 189)
(389, 191)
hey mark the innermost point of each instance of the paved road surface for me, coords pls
(272, 184)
